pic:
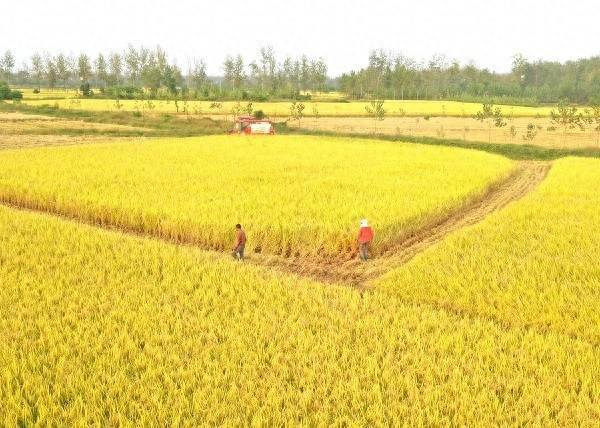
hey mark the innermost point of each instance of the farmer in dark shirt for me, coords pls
(240, 242)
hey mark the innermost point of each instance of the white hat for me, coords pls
(364, 223)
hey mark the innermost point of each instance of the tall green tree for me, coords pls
(155, 70)
(84, 68)
(197, 75)
(37, 68)
(101, 70)
(172, 78)
(51, 72)
(63, 69)
(7, 64)
(115, 67)
(132, 61)
(233, 68)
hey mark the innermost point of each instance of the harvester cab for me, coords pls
(252, 125)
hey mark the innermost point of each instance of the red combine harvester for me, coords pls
(251, 125)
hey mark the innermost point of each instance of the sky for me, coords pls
(343, 32)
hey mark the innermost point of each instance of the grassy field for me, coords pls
(104, 329)
(544, 134)
(296, 195)
(535, 264)
(282, 109)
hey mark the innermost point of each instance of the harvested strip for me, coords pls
(14, 141)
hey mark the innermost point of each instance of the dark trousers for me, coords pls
(238, 253)
(363, 250)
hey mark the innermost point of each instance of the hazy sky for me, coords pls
(342, 31)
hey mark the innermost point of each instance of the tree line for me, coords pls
(139, 72)
(268, 76)
(390, 76)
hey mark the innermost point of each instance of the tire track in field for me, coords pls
(527, 176)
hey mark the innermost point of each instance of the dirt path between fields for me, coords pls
(527, 176)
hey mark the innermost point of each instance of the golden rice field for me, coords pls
(296, 195)
(282, 109)
(59, 93)
(48, 94)
(109, 330)
(534, 264)
(545, 134)
(496, 325)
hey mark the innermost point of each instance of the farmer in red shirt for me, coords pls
(239, 243)
(365, 236)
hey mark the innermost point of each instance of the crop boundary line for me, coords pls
(347, 271)
(366, 285)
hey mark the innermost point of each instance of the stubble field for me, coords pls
(516, 132)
